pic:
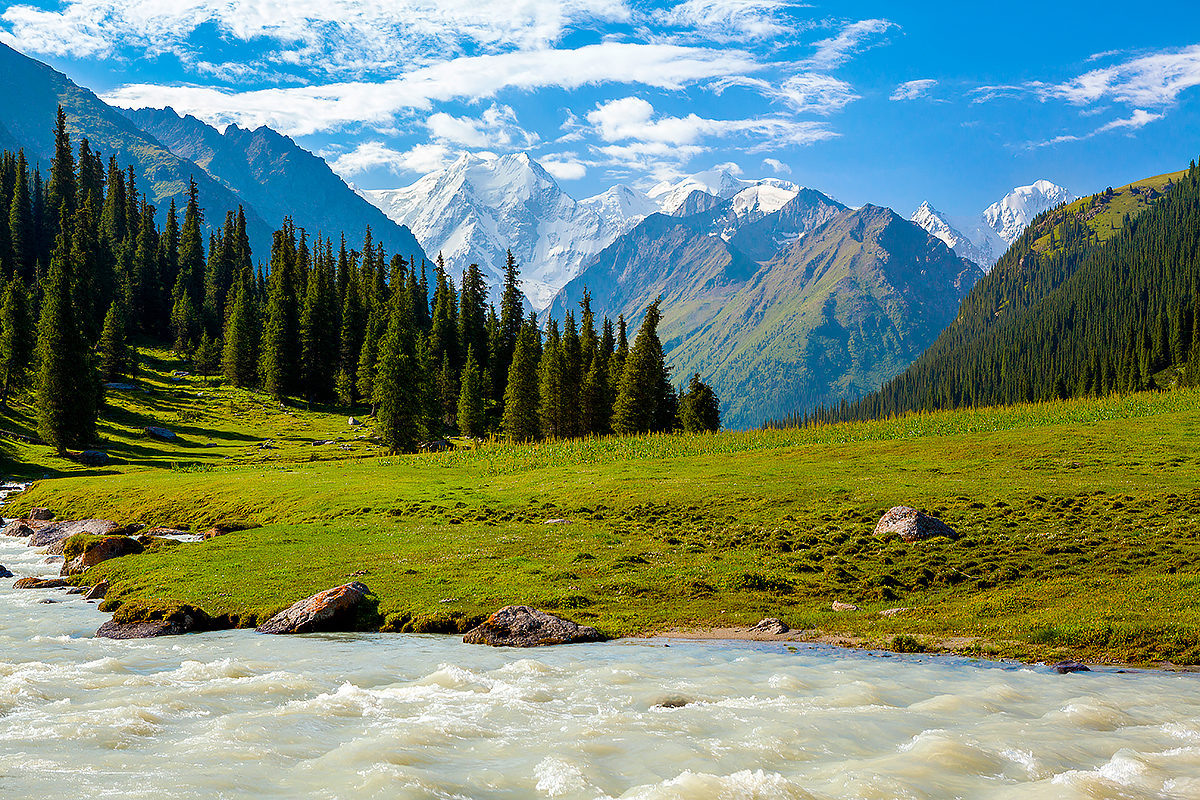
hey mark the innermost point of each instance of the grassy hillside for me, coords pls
(1080, 524)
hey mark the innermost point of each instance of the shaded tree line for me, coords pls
(85, 265)
(1077, 318)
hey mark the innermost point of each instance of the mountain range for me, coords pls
(990, 234)
(267, 174)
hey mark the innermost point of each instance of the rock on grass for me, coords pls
(912, 525)
(522, 626)
(330, 610)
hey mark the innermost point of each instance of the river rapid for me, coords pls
(237, 714)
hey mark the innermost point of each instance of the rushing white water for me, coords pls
(236, 714)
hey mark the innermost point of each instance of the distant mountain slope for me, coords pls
(278, 178)
(30, 94)
(836, 314)
(939, 226)
(852, 298)
(1097, 296)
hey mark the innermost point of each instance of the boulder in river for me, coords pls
(330, 610)
(4, 573)
(770, 626)
(103, 549)
(41, 514)
(1064, 667)
(40, 583)
(912, 525)
(58, 532)
(145, 619)
(18, 527)
(98, 591)
(522, 626)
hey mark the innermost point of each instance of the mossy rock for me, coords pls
(154, 610)
(438, 622)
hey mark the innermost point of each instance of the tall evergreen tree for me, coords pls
(521, 422)
(471, 399)
(116, 358)
(66, 389)
(646, 400)
(20, 222)
(319, 323)
(16, 343)
(552, 396)
(398, 381)
(61, 191)
(699, 409)
(239, 361)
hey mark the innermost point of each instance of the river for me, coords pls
(237, 714)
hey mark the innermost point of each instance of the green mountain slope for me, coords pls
(836, 314)
(30, 94)
(1075, 307)
(278, 178)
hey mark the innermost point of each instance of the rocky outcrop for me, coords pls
(41, 514)
(40, 583)
(522, 626)
(912, 525)
(770, 626)
(145, 619)
(100, 550)
(57, 532)
(18, 527)
(332, 609)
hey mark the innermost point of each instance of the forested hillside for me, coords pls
(1099, 296)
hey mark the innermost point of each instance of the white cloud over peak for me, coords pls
(1148, 80)
(564, 167)
(911, 90)
(497, 127)
(304, 110)
(369, 156)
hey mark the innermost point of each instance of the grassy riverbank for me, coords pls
(1080, 525)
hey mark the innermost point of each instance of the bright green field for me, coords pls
(1080, 525)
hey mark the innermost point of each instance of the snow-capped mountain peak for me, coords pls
(719, 183)
(940, 227)
(1010, 216)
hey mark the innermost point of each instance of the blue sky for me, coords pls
(886, 103)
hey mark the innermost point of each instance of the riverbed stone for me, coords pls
(912, 525)
(330, 610)
(40, 583)
(19, 527)
(523, 626)
(1065, 667)
(145, 619)
(840, 606)
(770, 626)
(58, 532)
(98, 591)
(102, 550)
(4, 573)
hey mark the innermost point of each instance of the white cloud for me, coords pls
(368, 156)
(805, 92)
(728, 20)
(911, 90)
(336, 36)
(564, 168)
(632, 118)
(307, 109)
(776, 166)
(1139, 119)
(497, 127)
(1150, 80)
(851, 39)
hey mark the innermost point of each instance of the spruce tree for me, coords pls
(20, 222)
(471, 399)
(319, 323)
(643, 403)
(552, 395)
(699, 409)
(520, 422)
(398, 381)
(16, 341)
(239, 360)
(116, 360)
(511, 322)
(66, 391)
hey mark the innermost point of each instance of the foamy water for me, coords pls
(237, 714)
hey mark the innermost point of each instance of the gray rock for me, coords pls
(144, 621)
(771, 626)
(141, 630)
(94, 458)
(912, 525)
(522, 626)
(55, 532)
(1064, 667)
(18, 527)
(840, 606)
(325, 611)
(162, 434)
(41, 514)
(102, 550)
(40, 583)
(98, 591)
(4, 573)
